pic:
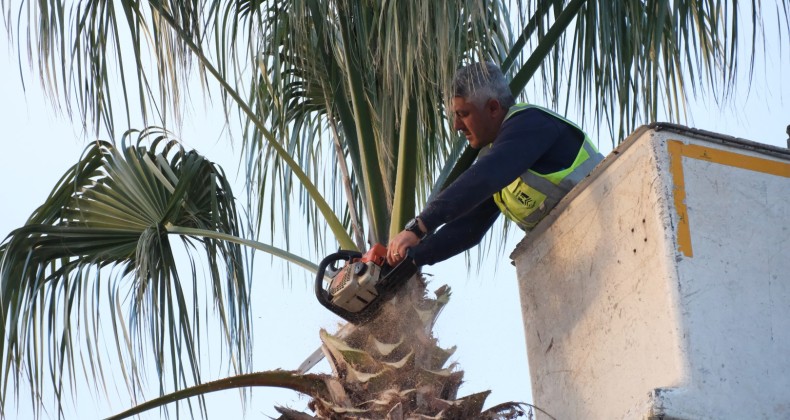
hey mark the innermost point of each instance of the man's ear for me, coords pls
(493, 106)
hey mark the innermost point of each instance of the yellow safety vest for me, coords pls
(531, 196)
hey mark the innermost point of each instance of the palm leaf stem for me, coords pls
(521, 41)
(347, 188)
(463, 163)
(456, 152)
(406, 176)
(293, 258)
(307, 384)
(545, 46)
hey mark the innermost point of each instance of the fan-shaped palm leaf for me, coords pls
(106, 227)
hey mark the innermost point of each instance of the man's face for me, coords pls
(480, 126)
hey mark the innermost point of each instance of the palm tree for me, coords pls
(344, 87)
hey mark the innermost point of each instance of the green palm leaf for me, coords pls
(106, 228)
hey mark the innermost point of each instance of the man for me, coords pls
(529, 159)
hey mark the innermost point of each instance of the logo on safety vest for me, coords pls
(525, 200)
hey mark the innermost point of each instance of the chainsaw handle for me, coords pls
(320, 291)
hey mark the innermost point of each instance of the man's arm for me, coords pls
(457, 236)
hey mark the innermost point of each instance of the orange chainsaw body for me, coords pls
(356, 289)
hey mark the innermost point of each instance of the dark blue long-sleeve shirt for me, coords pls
(531, 139)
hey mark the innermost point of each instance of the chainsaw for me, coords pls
(358, 284)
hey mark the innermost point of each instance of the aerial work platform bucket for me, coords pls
(660, 286)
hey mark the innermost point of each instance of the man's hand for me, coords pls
(399, 246)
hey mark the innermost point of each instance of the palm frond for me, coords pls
(104, 229)
(80, 47)
(631, 62)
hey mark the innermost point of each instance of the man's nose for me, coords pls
(458, 124)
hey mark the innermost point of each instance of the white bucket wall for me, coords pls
(661, 285)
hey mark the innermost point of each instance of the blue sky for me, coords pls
(483, 318)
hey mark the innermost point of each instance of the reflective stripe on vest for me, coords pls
(530, 197)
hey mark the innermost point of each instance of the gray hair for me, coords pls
(479, 82)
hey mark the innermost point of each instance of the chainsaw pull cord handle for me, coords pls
(320, 291)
